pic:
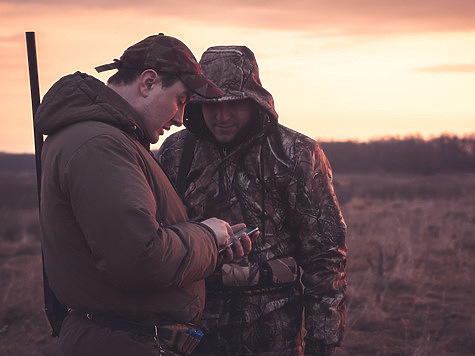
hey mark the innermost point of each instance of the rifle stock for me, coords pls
(55, 311)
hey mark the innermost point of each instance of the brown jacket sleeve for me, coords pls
(133, 243)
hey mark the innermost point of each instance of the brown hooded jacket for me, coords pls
(116, 237)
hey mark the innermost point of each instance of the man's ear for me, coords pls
(147, 80)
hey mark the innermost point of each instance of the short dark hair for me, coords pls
(127, 76)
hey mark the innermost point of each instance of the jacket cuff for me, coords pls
(210, 231)
(207, 228)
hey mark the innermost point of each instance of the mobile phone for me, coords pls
(248, 230)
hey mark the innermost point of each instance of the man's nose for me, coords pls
(224, 112)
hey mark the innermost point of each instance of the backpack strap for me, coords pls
(187, 156)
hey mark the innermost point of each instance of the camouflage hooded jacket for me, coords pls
(273, 178)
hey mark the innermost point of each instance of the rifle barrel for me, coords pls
(55, 311)
(35, 102)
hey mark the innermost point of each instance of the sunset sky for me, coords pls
(342, 69)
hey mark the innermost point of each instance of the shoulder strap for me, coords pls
(185, 163)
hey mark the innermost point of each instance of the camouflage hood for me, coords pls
(234, 69)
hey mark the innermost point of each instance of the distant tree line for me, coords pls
(23, 162)
(412, 154)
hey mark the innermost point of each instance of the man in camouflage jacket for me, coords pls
(244, 166)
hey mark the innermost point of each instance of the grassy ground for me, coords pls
(411, 259)
(23, 327)
(411, 245)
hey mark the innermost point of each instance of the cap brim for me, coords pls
(228, 96)
(201, 85)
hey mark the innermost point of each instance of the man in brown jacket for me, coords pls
(236, 162)
(119, 250)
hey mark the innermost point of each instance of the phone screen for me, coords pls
(248, 230)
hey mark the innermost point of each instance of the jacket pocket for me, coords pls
(273, 273)
(282, 271)
(242, 274)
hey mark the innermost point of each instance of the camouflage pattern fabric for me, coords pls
(238, 323)
(279, 180)
(234, 69)
(286, 190)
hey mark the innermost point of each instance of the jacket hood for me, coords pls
(79, 97)
(234, 69)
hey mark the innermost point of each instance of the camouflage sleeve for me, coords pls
(322, 253)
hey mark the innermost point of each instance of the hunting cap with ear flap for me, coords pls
(168, 55)
(234, 69)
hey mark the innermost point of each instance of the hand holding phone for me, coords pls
(248, 230)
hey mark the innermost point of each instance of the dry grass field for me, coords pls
(411, 264)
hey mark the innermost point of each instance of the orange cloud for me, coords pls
(449, 68)
(339, 17)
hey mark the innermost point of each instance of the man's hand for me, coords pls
(223, 232)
